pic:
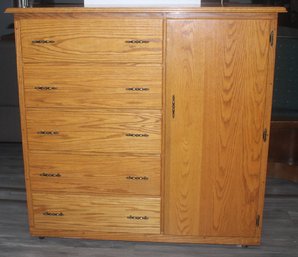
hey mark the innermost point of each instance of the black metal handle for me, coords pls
(131, 217)
(50, 133)
(136, 135)
(135, 41)
(137, 178)
(137, 89)
(45, 88)
(56, 214)
(173, 106)
(44, 174)
(42, 41)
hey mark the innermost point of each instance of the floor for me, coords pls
(280, 231)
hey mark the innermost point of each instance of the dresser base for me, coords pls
(146, 237)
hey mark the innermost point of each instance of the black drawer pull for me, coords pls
(137, 41)
(44, 174)
(43, 41)
(50, 133)
(56, 214)
(45, 88)
(173, 106)
(130, 217)
(137, 178)
(136, 135)
(137, 89)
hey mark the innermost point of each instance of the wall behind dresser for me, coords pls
(9, 110)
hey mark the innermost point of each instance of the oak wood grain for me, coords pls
(266, 121)
(234, 126)
(103, 130)
(22, 106)
(94, 39)
(163, 132)
(183, 130)
(225, 118)
(96, 213)
(168, 9)
(93, 86)
(280, 209)
(100, 173)
(220, 16)
(218, 64)
(148, 237)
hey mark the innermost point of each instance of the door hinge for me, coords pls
(258, 221)
(265, 135)
(272, 38)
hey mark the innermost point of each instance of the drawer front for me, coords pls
(96, 213)
(88, 86)
(92, 40)
(101, 173)
(94, 131)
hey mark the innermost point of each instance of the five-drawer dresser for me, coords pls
(146, 124)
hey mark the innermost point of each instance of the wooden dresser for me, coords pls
(146, 124)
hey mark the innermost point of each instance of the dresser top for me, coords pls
(208, 8)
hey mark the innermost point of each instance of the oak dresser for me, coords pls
(146, 124)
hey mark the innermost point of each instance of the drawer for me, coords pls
(96, 213)
(88, 86)
(106, 130)
(101, 173)
(118, 40)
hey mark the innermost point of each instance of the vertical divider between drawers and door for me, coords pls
(163, 130)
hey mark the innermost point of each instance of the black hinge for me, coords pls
(265, 135)
(272, 38)
(258, 221)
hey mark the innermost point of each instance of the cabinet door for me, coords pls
(216, 83)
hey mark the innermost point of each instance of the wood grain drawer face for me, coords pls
(96, 213)
(94, 131)
(98, 86)
(101, 173)
(92, 40)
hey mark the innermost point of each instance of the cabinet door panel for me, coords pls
(214, 141)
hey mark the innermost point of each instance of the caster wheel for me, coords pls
(41, 237)
(242, 246)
